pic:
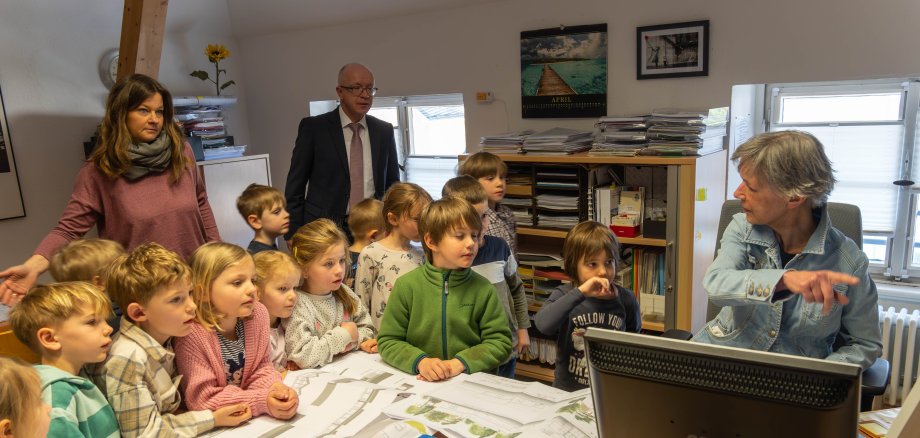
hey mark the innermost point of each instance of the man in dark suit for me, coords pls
(345, 155)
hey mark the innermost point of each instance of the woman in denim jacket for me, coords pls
(787, 280)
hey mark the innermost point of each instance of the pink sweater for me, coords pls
(204, 381)
(149, 209)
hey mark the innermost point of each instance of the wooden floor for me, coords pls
(551, 84)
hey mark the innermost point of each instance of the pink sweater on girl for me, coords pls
(204, 382)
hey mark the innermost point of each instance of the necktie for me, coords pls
(356, 166)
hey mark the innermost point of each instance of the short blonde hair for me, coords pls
(465, 187)
(585, 240)
(207, 263)
(365, 216)
(20, 393)
(445, 215)
(313, 240)
(257, 198)
(48, 305)
(401, 198)
(138, 276)
(270, 264)
(84, 259)
(482, 165)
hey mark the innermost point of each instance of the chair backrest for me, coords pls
(844, 217)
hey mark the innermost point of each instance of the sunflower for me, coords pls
(216, 52)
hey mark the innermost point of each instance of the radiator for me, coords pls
(899, 346)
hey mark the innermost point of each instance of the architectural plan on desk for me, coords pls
(350, 397)
(338, 400)
(487, 405)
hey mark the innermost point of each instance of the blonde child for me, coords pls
(491, 172)
(65, 324)
(139, 377)
(84, 260)
(278, 277)
(263, 209)
(225, 358)
(366, 224)
(23, 414)
(382, 262)
(590, 253)
(495, 262)
(87, 260)
(328, 318)
(444, 319)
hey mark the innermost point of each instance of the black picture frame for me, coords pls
(11, 203)
(674, 50)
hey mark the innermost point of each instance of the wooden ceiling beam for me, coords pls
(142, 28)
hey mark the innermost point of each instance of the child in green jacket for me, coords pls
(443, 319)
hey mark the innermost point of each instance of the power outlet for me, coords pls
(484, 96)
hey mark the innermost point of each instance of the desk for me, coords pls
(354, 395)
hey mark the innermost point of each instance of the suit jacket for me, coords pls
(319, 156)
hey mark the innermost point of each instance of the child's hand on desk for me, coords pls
(291, 366)
(352, 330)
(369, 346)
(232, 416)
(598, 287)
(282, 401)
(456, 367)
(431, 369)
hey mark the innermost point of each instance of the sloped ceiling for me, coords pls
(263, 17)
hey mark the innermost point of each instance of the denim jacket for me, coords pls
(745, 273)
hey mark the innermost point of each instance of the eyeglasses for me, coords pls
(357, 90)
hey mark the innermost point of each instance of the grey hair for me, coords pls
(792, 162)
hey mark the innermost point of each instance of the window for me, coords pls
(869, 133)
(430, 132)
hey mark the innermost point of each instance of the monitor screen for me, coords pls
(650, 386)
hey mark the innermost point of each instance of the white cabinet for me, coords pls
(225, 180)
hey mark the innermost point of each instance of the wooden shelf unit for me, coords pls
(534, 371)
(695, 192)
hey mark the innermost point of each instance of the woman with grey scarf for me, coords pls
(139, 185)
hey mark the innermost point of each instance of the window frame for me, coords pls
(899, 249)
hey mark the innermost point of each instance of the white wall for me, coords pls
(477, 48)
(49, 52)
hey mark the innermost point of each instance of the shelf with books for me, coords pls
(689, 191)
(203, 120)
(560, 234)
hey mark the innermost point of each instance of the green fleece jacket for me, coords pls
(446, 314)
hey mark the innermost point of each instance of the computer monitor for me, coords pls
(648, 386)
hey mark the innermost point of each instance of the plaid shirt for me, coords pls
(137, 378)
(502, 224)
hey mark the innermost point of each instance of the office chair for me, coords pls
(848, 219)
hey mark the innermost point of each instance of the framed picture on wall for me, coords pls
(564, 72)
(672, 50)
(10, 196)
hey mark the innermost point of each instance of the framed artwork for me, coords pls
(10, 196)
(672, 50)
(564, 72)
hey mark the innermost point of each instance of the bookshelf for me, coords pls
(694, 190)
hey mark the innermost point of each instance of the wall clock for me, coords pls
(108, 68)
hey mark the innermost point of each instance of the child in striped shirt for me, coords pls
(65, 324)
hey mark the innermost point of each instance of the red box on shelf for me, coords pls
(624, 231)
